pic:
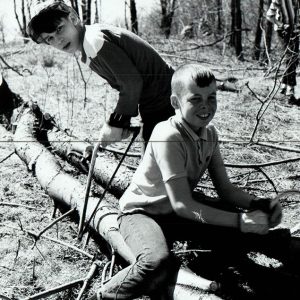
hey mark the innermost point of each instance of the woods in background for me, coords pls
(240, 24)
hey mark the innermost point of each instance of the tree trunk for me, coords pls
(220, 15)
(125, 14)
(133, 17)
(236, 27)
(268, 38)
(63, 146)
(22, 25)
(258, 33)
(97, 12)
(167, 11)
(63, 188)
(86, 8)
(74, 5)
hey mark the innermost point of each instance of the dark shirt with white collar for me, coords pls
(174, 151)
(131, 66)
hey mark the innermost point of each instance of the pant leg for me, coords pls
(227, 240)
(153, 262)
(150, 120)
(290, 44)
(292, 59)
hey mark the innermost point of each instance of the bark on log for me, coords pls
(62, 187)
(64, 146)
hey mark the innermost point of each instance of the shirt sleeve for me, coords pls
(170, 155)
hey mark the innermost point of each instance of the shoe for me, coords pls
(290, 91)
(294, 101)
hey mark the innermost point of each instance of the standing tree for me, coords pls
(258, 33)
(97, 11)
(236, 28)
(21, 17)
(133, 17)
(2, 30)
(168, 8)
(86, 7)
(75, 6)
(268, 38)
(219, 12)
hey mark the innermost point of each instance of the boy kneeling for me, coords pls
(159, 206)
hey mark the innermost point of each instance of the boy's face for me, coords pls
(198, 105)
(66, 37)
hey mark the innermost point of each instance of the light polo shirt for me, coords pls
(174, 151)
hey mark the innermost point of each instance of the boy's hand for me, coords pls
(272, 207)
(110, 135)
(254, 222)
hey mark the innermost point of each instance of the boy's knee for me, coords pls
(153, 261)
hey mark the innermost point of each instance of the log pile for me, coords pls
(35, 135)
(31, 145)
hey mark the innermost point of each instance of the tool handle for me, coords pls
(135, 130)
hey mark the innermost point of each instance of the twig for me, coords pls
(33, 234)
(4, 297)
(252, 92)
(7, 157)
(87, 279)
(192, 250)
(16, 204)
(268, 178)
(197, 46)
(278, 147)
(265, 43)
(183, 58)
(84, 82)
(55, 221)
(55, 290)
(17, 252)
(295, 229)
(265, 104)
(10, 67)
(272, 163)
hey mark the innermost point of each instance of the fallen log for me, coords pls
(62, 187)
(70, 149)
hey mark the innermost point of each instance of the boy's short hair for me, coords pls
(47, 17)
(202, 76)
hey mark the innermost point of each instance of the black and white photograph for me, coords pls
(149, 149)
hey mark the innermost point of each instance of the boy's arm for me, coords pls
(225, 189)
(185, 206)
(229, 192)
(170, 156)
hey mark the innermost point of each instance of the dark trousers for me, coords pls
(151, 119)
(290, 44)
(150, 238)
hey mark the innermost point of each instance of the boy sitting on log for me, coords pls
(128, 63)
(159, 206)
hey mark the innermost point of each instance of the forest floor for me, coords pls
(54, 81)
